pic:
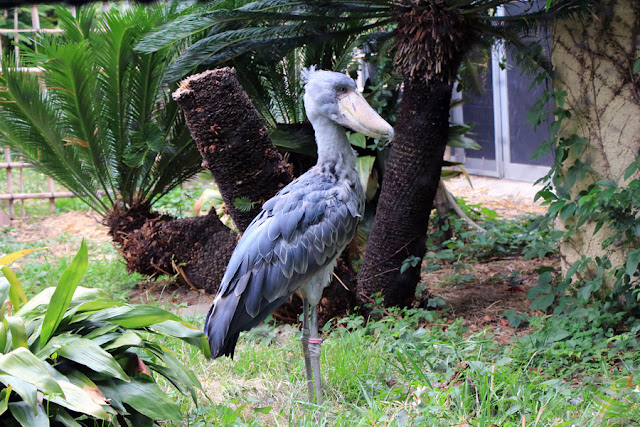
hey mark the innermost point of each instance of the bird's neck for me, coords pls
(333, 144)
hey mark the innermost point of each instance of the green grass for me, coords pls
(42, 269)
(413, 368)
(395, 372)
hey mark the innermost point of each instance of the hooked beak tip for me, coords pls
(390, 134)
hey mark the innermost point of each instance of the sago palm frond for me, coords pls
(99, 118)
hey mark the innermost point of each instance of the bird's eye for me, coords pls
(342, 89)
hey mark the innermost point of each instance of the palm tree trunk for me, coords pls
(196, 249)
(410, 183)
(233, 142)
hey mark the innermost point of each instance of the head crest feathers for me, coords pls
(307, 73)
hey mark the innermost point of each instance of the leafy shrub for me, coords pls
(532, 236)
(72, 356)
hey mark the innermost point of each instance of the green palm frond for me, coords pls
(268, 40)
(99, 119)
(33, 123)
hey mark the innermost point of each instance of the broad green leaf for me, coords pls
(82, 381)
(64, 293)
(88, 353)
(607, 183)
(174, 378)
(44, 297)
(98, 332)
(23, 364)
(134, 316)
(99, 304)
(126, 339)
(449, 173)
(178, 329)
(55, 343)
(544, 288)
(4, 399)
(358, 139)
(186, 375)
(557, 335)
(76, 399)
(18, 332)
(632, 168)
(24, 415)
(8, 259)
(111, 391)
(5, 285)
(185, 332)
(364, 165)
(466, 175)
(584, 292)
(459, 141)
(4, 329)
(105, 338)
(146, 397)
(542, 302)
(636, 66)
(16, 292)
(450, 163)
(63, 417)
(633, 261)
(27, 392)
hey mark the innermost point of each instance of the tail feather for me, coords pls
(226, 320)
(217, 326)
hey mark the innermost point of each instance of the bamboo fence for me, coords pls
(10, 194)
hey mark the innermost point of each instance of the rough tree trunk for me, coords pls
(410, 183)
(197, 249)
(594, 60)
(232, 140)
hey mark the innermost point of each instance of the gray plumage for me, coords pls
(293, 244)
(298, 233)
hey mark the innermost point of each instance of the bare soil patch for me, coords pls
(497, 285)
(60, 233)
(508, 198)
(179, 298)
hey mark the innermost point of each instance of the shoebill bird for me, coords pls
(293, 244)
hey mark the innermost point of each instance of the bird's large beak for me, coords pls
(357, 114)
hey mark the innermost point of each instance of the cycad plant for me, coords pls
(97, 116)
(430, 41)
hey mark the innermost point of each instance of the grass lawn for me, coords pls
(408, 367)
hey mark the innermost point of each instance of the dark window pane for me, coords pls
(524, 140)
(480, 112)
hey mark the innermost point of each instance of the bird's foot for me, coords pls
(315, 348)
(307, 361)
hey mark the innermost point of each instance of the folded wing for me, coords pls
(298, 232)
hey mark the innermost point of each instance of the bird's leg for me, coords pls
(305, 346)
(314, 349)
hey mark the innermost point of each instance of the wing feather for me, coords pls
(297, 234)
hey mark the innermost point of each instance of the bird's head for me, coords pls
(336, 97)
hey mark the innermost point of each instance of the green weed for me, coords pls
(531, 236)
